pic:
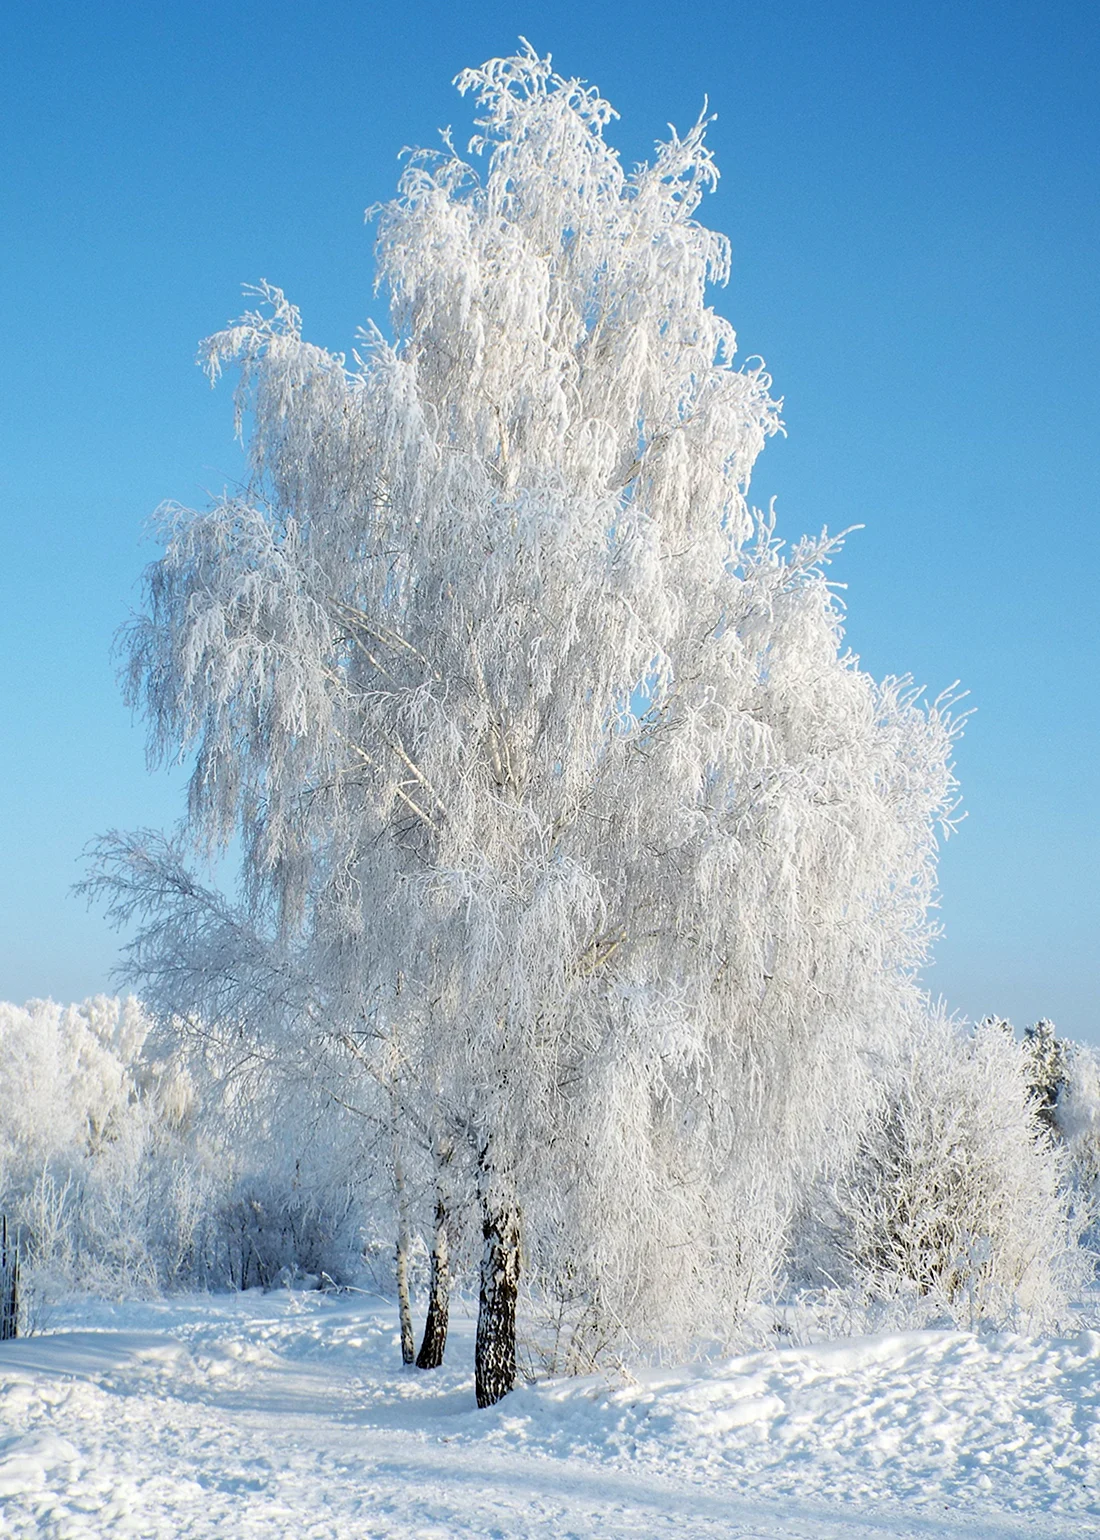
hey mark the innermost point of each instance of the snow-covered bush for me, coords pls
(300, 1166)
(1076, 1120)
(1077, 1113)
(955, 1204)
(131, 1163)
(93, 1171)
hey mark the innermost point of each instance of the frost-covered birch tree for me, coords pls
(535, 737)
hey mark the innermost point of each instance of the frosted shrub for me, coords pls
(1076, 1117)
(77, 1133)
(300, 1190)
(953, 1203)
(1077, 1112)
(126, 1167)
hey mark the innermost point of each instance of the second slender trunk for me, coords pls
(401, 1258)
(439, 1293)
(404, 1306)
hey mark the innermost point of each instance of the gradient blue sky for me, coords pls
(912, 194)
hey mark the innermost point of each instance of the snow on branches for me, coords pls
(606, 863)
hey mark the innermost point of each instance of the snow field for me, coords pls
(288, 1413)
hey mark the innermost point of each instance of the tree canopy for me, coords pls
(551, 772)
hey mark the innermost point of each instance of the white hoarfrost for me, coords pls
(1077, 1113)
(130, 1164)
(566, 818)
(955, 1204)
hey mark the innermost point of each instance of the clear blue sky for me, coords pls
(912, 194)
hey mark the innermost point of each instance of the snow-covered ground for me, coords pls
(288, 1414)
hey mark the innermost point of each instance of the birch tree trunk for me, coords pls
(401, 1257)
(439, 1292)
(495, 1345)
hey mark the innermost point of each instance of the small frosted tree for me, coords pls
(1064, 1080)
(536, 742)
(954, 1196)
(1048, 1065)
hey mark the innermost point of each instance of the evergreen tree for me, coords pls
(1047, 1057)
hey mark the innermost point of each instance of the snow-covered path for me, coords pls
(287, 1414)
